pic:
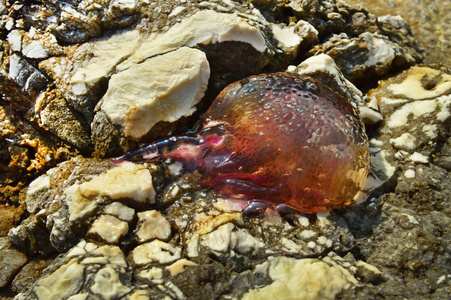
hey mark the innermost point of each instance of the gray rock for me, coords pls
(365, 57)
(11, 261)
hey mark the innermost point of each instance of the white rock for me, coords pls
(409, 174)
(109, 228)
(370, 116)
(153, 274)
(228, 237)
(128, 180)
(120, 210)
(108, 284)
(113, 254)
(406, 141)
(290, 37)
(14, 39)
(155, 251)
(302, 279)
(379, 51)
(104, 56)
(414, 110)
(204, 27)
(307, 234)
(163, 88)
(418, 158)
(40, 183)
(286, 36)
(430, 130)
(381, 165)
(152, 224)
(61, 283)
(412, 87)
(34, 49)
(323, 63)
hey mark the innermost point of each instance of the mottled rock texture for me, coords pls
(74, 227)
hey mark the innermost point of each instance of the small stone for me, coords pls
(155, 251)
(108, 284)
(109, 228)
(152, 225)
(120, 210)
(302, 279)
(129, 181)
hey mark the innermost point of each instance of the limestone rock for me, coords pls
(164, 88)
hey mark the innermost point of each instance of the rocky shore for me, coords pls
(83, 81)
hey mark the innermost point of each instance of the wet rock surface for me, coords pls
(83, 81)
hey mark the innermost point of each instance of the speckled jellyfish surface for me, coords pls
(275, 140)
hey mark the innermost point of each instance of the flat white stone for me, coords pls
(404, 141)
(108, 284)
(105, 55)
(411, 87)
(128, 180)
(155, 251)
(120, 210)
(14, 39)
(302, 279)
(286, 36)
(152, 225)
(204, 27)
(409, 174)
(61, 283)
(109, 228)
(163, 88)
(419, 158)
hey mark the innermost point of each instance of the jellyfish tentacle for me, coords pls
(159, 150)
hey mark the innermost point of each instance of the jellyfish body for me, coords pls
(278, 140)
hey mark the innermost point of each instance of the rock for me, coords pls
(155, 251)
(415, 106)
(9, 217)
(151, 92)
(151, 225)
(25, 75)
(108, 228)
(11, 261)
(58, 118)
(28, 275)
(302, 279)
(365, 57)
(428, 21)
(149, 230)
(86, 269)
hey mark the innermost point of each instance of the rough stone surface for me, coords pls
(11, 261)
(429, 22)
(171, 238)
